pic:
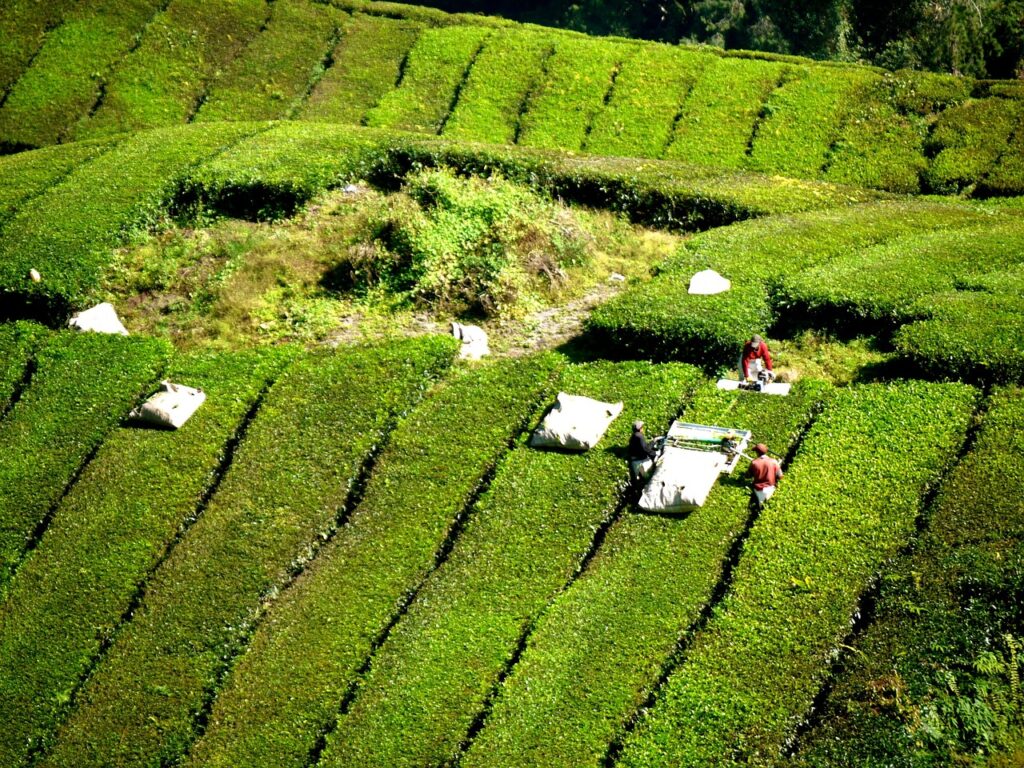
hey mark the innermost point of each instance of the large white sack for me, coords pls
(682, 480)
(474, 341)
(708, 282)
(575, 423)
(102, 319)
(171, 406)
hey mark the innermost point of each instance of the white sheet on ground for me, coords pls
(575, 423)
(171, 406)
(101, 319)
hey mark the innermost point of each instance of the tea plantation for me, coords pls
(351, 555)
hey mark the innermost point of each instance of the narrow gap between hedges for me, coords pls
(440, 558)
(230, 448)
(538, 82)
(677, 118)
(608, 94)
(32, 59)
(31, 366)
(462, 84)
(326, 63)
(762, 115)
(864, 615)
(678, 656)
(201, 717)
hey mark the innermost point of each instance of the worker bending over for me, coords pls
(641, 454)
(766, 472)
(754, 359)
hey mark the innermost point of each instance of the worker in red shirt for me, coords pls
(766, 472)
(755, 358)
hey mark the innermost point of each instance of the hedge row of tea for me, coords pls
(286, 690)
(68, 230)
(849, 503)
(598, 651)
(932, 678)
(937, 277)
(524, 541)
(285, 492)
(136, 496)
(82, 386)
(487, 80)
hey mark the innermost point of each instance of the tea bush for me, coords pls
(23, 26)
(968, 140)
(72, 595)
(18, 342)
(598, 650)
(287, 688)
(848, 505)
(525, 540)
(271, 78)
(283, 494)
(83, 385)
(366, 64)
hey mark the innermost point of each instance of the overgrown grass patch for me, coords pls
(524, 541)
(435, 68)
(272, 76)
(283, 495)
(71, 596)
(848, 504)
(84, 384)
(288, 687)
(599, 649)
(366, 64)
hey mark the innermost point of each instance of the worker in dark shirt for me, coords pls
(755, 358)
(641, 453)
(766, 472)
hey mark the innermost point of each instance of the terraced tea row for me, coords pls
(942, 273)
(848, 505)
(140, 491)
(67, 231)
(289, 487)
(487, 80)
(598, 651)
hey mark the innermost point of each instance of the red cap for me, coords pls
(761, 449)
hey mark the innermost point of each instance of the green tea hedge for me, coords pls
(28, 174)
(84, 384)
(282, 496)
(802, 120)
(1007, 176)
(968, 140)
(68, 75)
(273, 75)
(70, 597)
(931, 679)
(366, 63)
(23, 28)
(69, 232)
(718, 118)
(599, 649)
(18, 342)
(287, 689)
(496, 93)
(576, 80)
(163, 80)
(639, 119)
(524, 541)
(848, 505)
(434, 70)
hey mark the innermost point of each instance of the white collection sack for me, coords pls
(681, 480)
(474, 341)
(575, 423)
(708, 282)
(171, 406)
(102, 319)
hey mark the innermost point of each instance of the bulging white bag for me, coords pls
(682, 480)
(171, 406)
(474, 341)
(708, 282)
(101, 319)
(575, 423)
